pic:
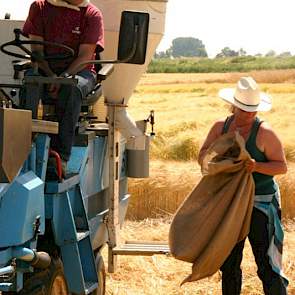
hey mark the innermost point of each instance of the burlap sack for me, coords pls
(216, 215)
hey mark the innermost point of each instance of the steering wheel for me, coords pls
(35, 56)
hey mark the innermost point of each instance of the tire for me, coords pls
(101, 275)
(56, 283)
(50, 281)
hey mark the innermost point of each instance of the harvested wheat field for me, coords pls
(160, 275)
(185, 107)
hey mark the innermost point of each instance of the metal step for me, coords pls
(82, 234)
(90, 287)
(5, 287)
(141, 248)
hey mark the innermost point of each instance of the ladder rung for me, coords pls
(82, 234)
(90, 287)
(138, 248)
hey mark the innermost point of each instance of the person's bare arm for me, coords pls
(43, 64)
(86, 52)
(213, 134)
(269, 143)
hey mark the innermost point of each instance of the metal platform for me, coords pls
(142, 248)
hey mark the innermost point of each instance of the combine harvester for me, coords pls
(52, 230)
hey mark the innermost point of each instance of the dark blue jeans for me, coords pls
(68, 107)
(231, 268)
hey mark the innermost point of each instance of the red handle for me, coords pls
(58, 162)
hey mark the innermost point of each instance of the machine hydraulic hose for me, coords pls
(37, 259)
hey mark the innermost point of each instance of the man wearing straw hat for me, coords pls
(79, 25)
(268, 160)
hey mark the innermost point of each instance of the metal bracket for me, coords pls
(113, 216)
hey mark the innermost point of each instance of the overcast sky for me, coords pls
(257, 26)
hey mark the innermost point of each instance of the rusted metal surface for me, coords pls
(15, 141)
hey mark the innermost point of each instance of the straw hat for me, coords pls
(246, 96)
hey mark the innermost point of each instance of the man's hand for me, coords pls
(53, 89)
(250, 165)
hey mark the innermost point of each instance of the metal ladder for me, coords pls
(72, 235)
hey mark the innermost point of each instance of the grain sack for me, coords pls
(216, 214)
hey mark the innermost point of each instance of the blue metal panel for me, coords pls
(42, 148)
(24, 199)
(48, 206)
(88, 261)
(99, 159)
(78, 159)
(72, 267)
(5, 257)
(77, 205)
(91, 178)
(30, 163)
(63, 220)
(32, 159)
(98, 230)
(53, 187)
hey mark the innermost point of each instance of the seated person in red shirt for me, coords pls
(79, 25)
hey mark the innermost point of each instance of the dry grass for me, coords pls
(273, 76)
(170, 182)
(160, 275)
(185, 112)
(161, 193)
(185, 107)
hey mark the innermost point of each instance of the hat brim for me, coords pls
(228, 94)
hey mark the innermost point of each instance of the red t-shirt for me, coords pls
(66, 26)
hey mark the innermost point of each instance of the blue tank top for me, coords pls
(264, 184)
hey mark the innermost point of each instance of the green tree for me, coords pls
(270, 53)
(227, 52)
(188, 47)
(285, 54)
(242, 52)
(162, 54)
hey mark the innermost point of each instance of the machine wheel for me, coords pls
(101, 275)
(50, 281)
(56, 283)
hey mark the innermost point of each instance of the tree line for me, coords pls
(194, 47)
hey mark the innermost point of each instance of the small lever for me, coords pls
(151, 120)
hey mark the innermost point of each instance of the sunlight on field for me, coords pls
(185, 111)
(161, 275)
(185, 107)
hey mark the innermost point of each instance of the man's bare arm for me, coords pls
(86, 52)
(43, 65)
